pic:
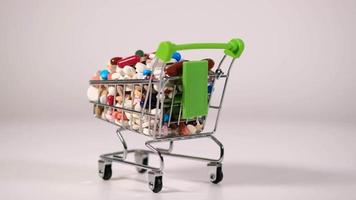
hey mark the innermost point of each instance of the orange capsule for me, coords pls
(109, 76)
(183, 130)
(95, 78)
(114, 114)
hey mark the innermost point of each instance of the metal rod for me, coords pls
(112, 158)
(170, 148)
(171, 109)
(124, 109)
(122, 140)
(148, 144)
(222, 96)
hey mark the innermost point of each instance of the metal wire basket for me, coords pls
(159, 111)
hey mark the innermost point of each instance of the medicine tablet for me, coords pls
(140, 67)
(139, 53)
(147, 72)
(112, 91)
(152, 56)
(176, 56)
(166, 117)
(135, 127)
(191, 129)
(93, 93)
(129, 71)
(102, 99)
(115, 76)
(110, 100)
(146, 131)
(104, 74)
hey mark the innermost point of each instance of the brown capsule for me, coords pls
(183, 130)
(176, 69)
(98, 111)
(211, 63)
(115, 60)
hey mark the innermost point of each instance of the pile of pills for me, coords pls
(127, 105)
(138, 66)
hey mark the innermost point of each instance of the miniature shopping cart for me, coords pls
(175, 107)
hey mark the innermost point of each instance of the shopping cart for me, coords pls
(153, 93)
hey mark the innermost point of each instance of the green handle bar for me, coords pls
(166, 49)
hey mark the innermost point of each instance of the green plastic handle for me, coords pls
(166, 49)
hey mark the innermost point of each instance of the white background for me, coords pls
(289, 114)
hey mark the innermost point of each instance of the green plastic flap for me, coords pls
(195, 89)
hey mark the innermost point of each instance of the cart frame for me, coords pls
(233, 49)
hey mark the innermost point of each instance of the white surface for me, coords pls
(57, 159)
(298, 64)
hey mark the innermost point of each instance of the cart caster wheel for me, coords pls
(141, 158)
(215, 172)
(105, 171)
(158, 185)
(155, 181)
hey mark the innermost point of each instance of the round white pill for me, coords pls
(137, 121)
(146, 131)
(157, 72)
(199, 127)
(145, 124)
(112, 91)
(128, 115)
(139, 75)
(135, 127)
(137, 107)
(102, 99)
(129, 71)
(128, 104)
(140, 67)
(120, 71)
(93, 93)
(116, 76)
(191, 129)
(152, 55)
(153, 111)
(103, 115)
(126, 77)
(155, 87)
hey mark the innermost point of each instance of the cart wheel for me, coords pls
(157, 185)
(105, 171)
(216, 173)
(155, 181)
(219, 176)
(141, 158)
(144, 162)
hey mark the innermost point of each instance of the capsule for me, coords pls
(132, 60)
(114, 60)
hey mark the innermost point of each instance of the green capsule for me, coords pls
(139, 53)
